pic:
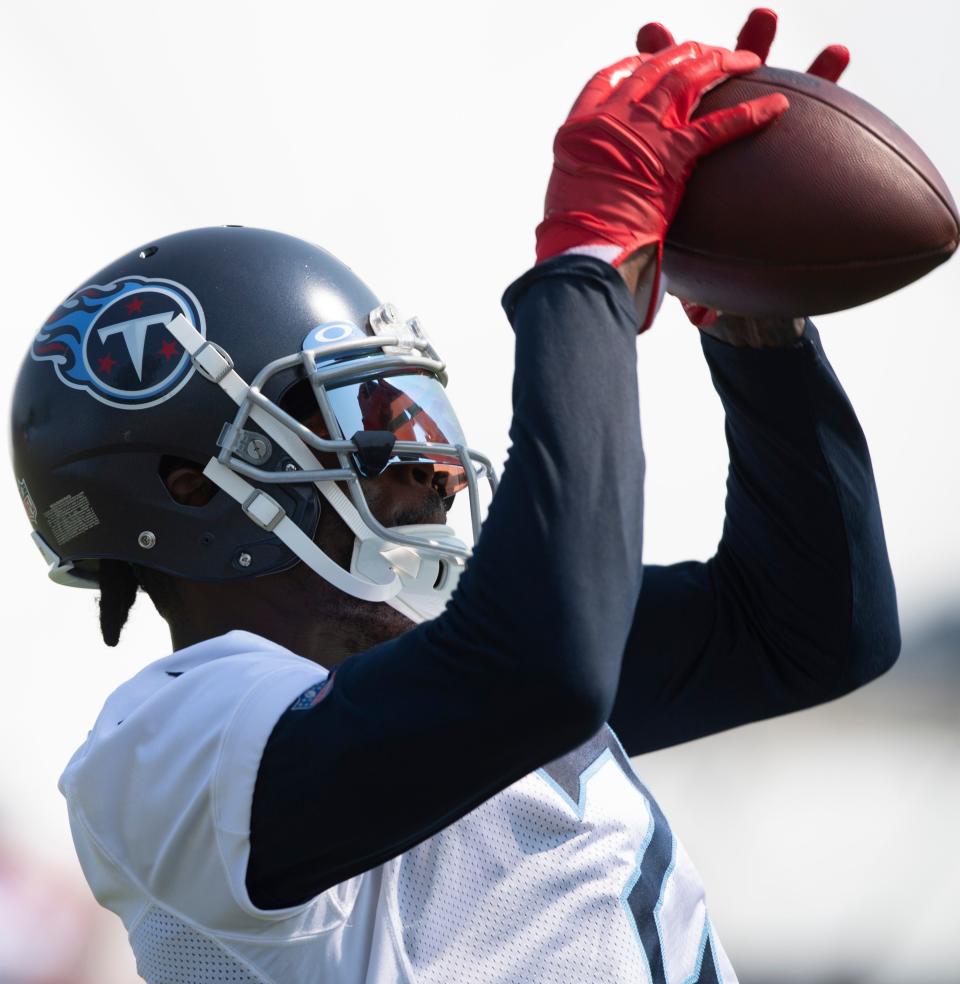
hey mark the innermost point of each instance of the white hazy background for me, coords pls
(413, 140)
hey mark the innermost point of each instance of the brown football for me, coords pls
(830, 206)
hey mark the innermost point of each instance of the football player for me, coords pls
(368, 760)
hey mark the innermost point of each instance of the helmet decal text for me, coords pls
(112, 341)
(30, 507)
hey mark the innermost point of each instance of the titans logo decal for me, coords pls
(112, 341)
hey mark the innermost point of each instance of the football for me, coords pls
(830, 206)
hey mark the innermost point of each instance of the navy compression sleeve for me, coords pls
(523, 664)
(798, 604)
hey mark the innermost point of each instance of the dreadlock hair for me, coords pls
(119, 584)
(120, 581)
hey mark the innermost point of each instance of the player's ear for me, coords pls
(189, 486)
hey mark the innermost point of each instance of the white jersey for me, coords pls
(569, 876)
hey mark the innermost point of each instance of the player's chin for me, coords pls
(431, 510)
(398, 504)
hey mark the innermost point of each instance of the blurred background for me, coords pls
(413, 141)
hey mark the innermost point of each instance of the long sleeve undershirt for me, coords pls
(549, 635)
(797, 606)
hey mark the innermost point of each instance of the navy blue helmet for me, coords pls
(199, 347)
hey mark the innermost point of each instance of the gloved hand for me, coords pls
(623, 157)
(756, 36)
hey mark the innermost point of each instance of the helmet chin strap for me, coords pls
(380, 571)
(427, 581)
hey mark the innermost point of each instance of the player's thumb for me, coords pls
(724, 125)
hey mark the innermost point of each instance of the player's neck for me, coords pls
(297, 611)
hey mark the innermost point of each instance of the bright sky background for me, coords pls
(413, 141)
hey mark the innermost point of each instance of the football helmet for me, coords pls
(191, 348)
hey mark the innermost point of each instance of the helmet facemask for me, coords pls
(380, 394)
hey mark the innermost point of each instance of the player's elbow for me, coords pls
(846, 650)
(874, 644)
(873, 622)
(566, 692)
(574, 711)
(868, 647)
(583, 690)
(860, 640)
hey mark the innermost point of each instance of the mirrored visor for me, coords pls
(412, 407)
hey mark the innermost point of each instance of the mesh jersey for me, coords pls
(570, 875)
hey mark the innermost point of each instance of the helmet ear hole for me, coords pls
(298, 401)
(185, 482)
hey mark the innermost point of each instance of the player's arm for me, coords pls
(798, 604)
(523, 664)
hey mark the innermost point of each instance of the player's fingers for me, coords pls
(830, 63)
(605, 82)
(680, 91)
(652, 38)
(724, 125)
(758, 32)
(655, 68)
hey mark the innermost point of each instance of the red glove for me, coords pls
(756, 36)
(623, 157)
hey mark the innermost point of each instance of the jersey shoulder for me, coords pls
(159, 794)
